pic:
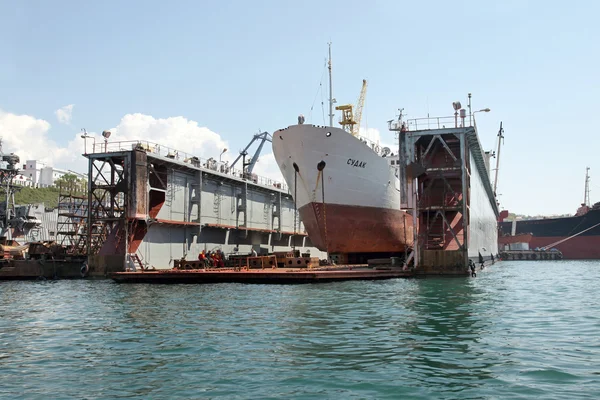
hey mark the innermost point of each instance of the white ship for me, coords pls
(346, 189)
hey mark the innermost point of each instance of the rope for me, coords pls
(320, 89)
(295, 208)
(314, 193)
(324, 211)
(570, 237)
(323, 108)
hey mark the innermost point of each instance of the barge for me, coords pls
(264, 276)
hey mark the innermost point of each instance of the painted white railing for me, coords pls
(165, 151)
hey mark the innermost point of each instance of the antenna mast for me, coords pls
(330, 89)
(586, 196)
(500, 139)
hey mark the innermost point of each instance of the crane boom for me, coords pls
(351, 115)
(263, 136)
(359, 108)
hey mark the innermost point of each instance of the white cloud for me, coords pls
(29, 138)
(178, 133)
(65, 114)
(26, 136)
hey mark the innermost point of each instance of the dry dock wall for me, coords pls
(223, 225)
(175, 209)
(483, 226)
(456, 207)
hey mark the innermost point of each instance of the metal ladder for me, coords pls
(137, 261)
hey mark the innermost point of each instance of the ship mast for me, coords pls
(330, 89)
(586, 196)
(500, 138)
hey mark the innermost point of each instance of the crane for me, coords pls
(351, 120)
(359, 107)
(262, 137)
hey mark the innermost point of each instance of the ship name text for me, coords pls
(356, 163)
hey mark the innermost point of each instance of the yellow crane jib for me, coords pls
(359, 108)
(351, 120)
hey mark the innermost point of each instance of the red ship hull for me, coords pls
(577, 248)
(354, 229)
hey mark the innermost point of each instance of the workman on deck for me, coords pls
(220, 260)
(202, 257)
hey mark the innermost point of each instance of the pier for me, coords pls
(531, 255)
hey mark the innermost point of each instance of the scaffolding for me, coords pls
(72, 218)
(107, 203)
(440, 202)
(436, 163)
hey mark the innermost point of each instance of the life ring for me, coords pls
(377, 149)
(84, 269)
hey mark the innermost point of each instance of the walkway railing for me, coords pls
(420, 124)
(168, 152)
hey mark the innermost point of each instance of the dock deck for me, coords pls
(273, 276)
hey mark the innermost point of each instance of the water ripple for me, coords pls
(518, 330)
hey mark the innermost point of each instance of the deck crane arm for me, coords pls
(359, 108)
(263, 137)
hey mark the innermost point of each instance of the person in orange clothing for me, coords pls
(202, 257)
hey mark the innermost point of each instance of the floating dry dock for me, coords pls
(273, 275)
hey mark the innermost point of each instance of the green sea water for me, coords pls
(519, 330)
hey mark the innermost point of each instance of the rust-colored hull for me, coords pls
(577, 248)
(353, 229)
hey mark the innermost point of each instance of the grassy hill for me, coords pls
(49, 195)
(27, 195)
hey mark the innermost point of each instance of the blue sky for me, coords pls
(237, 67)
